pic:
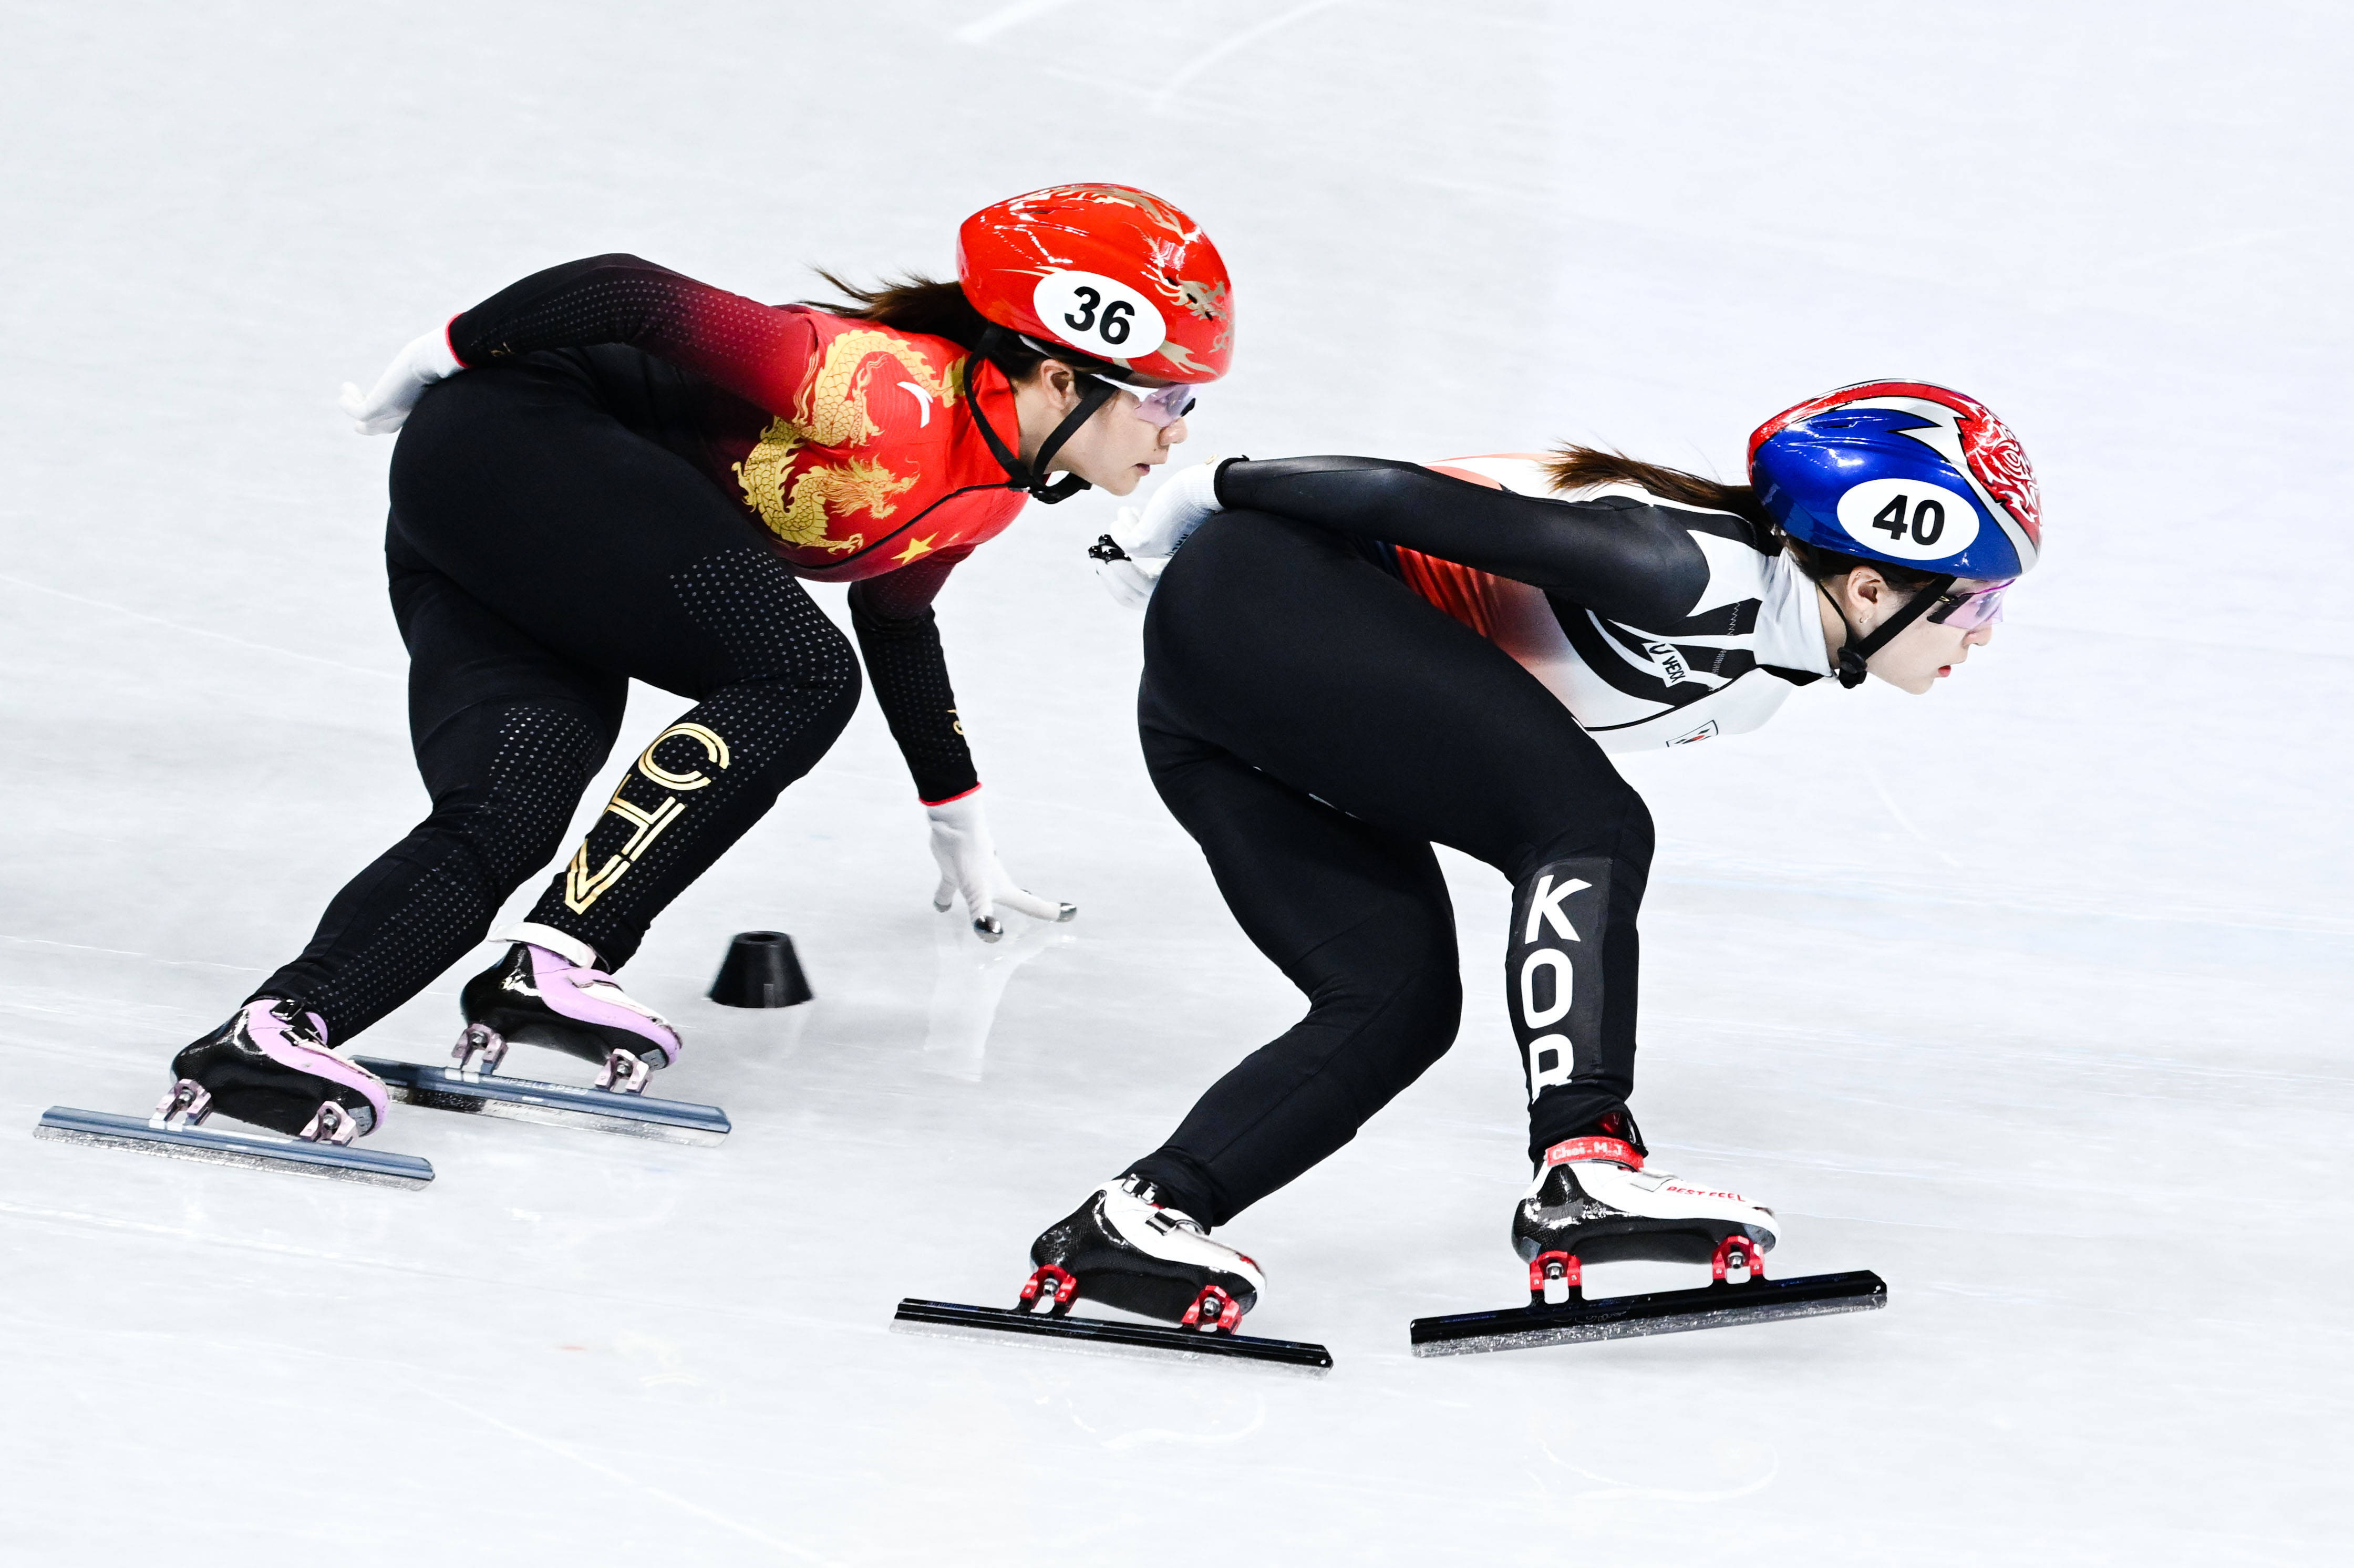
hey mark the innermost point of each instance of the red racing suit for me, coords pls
(853, 446)
(856, 452)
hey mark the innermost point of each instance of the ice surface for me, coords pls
(2031, 996)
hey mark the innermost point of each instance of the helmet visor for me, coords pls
(1967, 610)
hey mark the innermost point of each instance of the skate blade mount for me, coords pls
(255, 1150)
(1104, 1335)
(551, 1104)
(1720, 1304)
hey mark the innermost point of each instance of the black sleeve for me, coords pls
(758, 352)
(900, 640)
(1616, 556)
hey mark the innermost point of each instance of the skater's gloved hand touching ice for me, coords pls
(970, 869)
(384, 408)
(1129, 559)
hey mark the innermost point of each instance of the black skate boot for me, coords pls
(269, 1065)
(1123, 1248)
(539, 996)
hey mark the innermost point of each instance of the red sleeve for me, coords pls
(758, 352)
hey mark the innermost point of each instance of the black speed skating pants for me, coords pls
(1315, 728)
(549, 543)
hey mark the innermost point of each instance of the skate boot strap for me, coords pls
(1616, 1151)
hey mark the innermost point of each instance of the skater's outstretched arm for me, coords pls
(1617, 556)
(900, 640)
(758, 352)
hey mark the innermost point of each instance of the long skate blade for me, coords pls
(256, 1151)
(1102, 1334)
(550, 1105)
(1717, 1305)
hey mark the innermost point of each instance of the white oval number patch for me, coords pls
(1102, 315)
(1909, 518)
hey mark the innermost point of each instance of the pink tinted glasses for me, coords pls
(1161, 407)
(1969, 612)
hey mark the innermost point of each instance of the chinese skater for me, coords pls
(609, 470)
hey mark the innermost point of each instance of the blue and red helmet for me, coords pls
(1902, 471)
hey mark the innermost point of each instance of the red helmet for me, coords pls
(1109, 271)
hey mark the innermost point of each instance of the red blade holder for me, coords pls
(1742, 1249)
(1547, 1268)
(1060, 1287)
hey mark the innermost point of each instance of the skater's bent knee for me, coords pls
(836, 685)
(1429, 1010)
(1616, 825)
(822, 688)
(821, 697)
(752, 604)
(1399, 1023)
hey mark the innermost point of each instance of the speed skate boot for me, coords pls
(1124, 1248)
(540, 996)
(269, 1065)
(1593, 1202)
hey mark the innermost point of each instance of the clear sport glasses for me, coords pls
(1162, 406)
(1969, 612)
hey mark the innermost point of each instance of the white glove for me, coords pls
(1189, 500)
(969, 868)
(1129, 559)
(385, 407)
(1129, 580)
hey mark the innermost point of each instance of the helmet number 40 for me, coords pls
(1928, 521)
(1908, 519)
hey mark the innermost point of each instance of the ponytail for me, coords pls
(1575, 467)
(915, 304)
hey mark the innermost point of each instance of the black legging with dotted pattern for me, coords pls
(542, 552)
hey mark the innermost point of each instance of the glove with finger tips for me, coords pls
(967, 856)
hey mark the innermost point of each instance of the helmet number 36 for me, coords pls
(1908, 519)
(1100, 315)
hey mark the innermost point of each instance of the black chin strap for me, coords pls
(1032, 476)
(1856, 652)
(1093, 395)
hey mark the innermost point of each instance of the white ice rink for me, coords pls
(2032, 995)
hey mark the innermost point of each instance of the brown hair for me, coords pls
(1572, 467)
(916, 304)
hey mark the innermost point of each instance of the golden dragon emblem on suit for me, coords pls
(832, 412)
